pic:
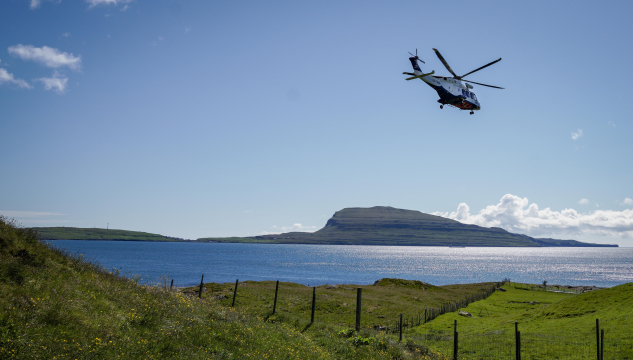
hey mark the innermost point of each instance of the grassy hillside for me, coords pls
(552, 325)
(72, 233)
(56, 305)
(335, 304)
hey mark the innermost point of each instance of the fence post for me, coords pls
(517, 346)
(598, 339)
(275, 303)
(359, 293)
(313, 304)
(425, 316)
(400, 328)
(455, 347)
(455, 340)
(235, 292)
(602, 344)
(172, 285)
(200, 292)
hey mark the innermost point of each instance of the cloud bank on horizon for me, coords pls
(516, 214)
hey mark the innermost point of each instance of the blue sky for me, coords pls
(215, 118)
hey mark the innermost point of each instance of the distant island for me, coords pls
(73, 233)
(379, 225)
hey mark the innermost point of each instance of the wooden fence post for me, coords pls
(313, 304)
(602, 344)
(598, 339)
(359, 293)
(200, 292)
(275, 303)
(517, 345)
(400, 328)
(455, 341)
(172, 285)
(455, 347)
(235, 292)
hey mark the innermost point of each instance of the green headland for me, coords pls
(73, 233)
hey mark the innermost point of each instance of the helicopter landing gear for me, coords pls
(441, 106)
(471, 112)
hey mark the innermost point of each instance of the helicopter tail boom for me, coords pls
(414, 62)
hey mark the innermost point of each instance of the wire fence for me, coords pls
(496, 344)
(502, 344)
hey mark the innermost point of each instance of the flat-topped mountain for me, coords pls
(381, 225)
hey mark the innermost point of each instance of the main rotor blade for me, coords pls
(445, 63)
(496, 87)
(485, 66)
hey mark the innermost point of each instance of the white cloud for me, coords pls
(48, 56)
(35, 4)
(628, 201)
(576, 135)
(7, 77)
(583, 201)
(285, 229)
(66, 34)
(56, 83)
(612, 123)
(106, 2)
(515, 214)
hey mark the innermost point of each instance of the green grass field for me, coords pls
(552, 325)
(335, 305)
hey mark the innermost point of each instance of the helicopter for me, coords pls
(452, 90)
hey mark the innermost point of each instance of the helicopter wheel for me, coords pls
(441, 106)
(472, 112)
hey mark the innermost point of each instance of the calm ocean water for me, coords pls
(337, 264)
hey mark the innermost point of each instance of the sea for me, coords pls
(314, 265)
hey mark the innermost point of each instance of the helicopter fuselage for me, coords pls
(451, 91)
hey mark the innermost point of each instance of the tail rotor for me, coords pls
(415, 57)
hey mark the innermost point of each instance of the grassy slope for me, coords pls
(335, 306)
(560, 318)
(71, 233)
(56, 305)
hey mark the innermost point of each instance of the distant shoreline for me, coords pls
(381, 226)
(222, 241)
